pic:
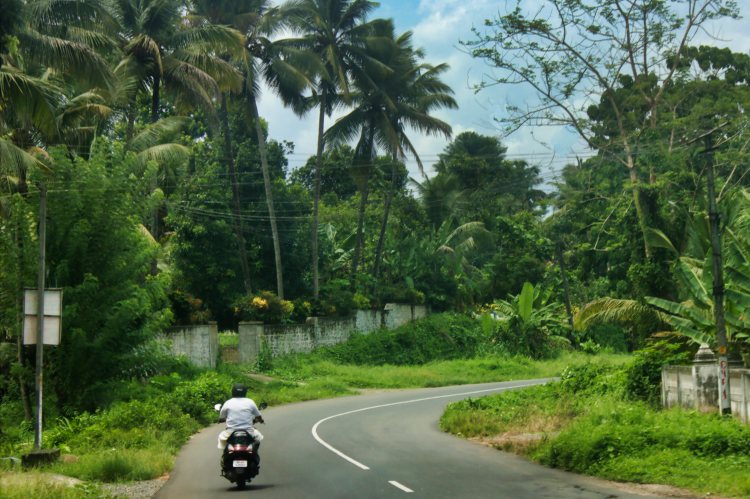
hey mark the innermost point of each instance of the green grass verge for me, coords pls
(307, 368)
(593, 428)
(39, 486)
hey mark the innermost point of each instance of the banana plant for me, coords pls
(528, 321)
(693, 317)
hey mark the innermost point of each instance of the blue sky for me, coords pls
(438, 26)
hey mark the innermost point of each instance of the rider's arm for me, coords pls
(257, 416)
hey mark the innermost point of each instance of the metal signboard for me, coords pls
(52, 316)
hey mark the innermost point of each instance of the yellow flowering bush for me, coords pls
(265, 307)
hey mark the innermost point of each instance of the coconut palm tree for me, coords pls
(283, 68)
(161, 51)
(337, 32)
(417, 90)
(386, 104)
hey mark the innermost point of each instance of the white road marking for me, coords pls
(399, 486)
(362, 466)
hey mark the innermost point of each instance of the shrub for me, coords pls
(188, 309)
(361, 302)
(607, 336)
(265, 307)
(440, 336)
(337, 298)
(302, 310)
(592, 379)
(197, 398)
(643, 375)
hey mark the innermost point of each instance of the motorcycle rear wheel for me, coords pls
(241, 483)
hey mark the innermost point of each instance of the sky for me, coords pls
(438, 27)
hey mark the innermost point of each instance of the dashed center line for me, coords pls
(399, 486)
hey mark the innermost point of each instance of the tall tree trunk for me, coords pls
(155, 99)
(359, 244)
(640, 210)
(364, 156)
(236, 204)
(384, 224)
(23, 389)
(316, 195)
(269, 196)
(129, 131)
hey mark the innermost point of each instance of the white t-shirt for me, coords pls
(239, 413)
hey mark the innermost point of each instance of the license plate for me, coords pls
(239, 464)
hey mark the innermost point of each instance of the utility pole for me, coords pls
(718, 280)
(40, 314)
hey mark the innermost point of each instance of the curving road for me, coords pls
(385, 444)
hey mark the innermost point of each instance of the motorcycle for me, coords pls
(239, 461)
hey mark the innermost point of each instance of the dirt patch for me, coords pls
(268, 379)
(145, 489)
(518, 443)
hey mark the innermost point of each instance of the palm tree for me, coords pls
(241, 15)
(336, 32)
(283, 68)
(386, 104)
(417, 90)
(162, 51)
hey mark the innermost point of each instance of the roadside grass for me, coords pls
(727, 476)
(118, 465)
(311, 367)
(41, 486)
(594, 427)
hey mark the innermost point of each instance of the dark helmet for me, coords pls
(239, 390)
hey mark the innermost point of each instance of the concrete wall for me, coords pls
(697, 387)
(283, 339)
(200, 344)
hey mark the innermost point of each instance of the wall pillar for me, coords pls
(250, 340)
(706, 380)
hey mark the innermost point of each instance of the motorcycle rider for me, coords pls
(240, 413)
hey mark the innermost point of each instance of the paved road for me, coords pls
(385, 444)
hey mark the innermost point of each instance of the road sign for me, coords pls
(52, 316)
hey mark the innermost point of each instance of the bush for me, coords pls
(592, 379)
(198, 397)
(606, 336)
(265, 307)
(643, 375)
(336, 299)
(438, 337)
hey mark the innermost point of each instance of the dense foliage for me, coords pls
(169, 203)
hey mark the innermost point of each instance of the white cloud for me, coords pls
(438, 25)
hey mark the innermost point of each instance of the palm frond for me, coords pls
(612, 311)
(32, 100)
(165, 153)
(164, 130)
(69, 57)
(14, 160)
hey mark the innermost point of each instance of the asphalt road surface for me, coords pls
(385, 444)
